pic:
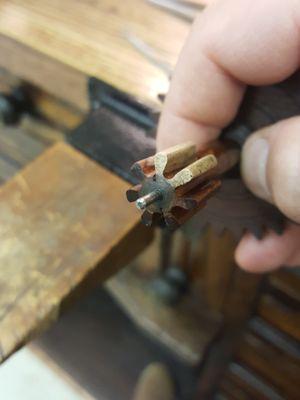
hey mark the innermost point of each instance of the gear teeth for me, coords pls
(276, 225)
(147, 218)
(236, 209)
(143, 169)
(132, 194)
(178, 170)
(233, 208)
(153, 219)
(257, 230)
(137, 171)
(171, 222)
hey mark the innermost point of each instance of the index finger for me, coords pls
(233, 43)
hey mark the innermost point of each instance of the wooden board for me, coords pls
(69, 40)
(19, 147)
(186, 329)
(22, 143)
(64, 227)
(274, 366)
(240, 382)
(280, 315)
(48, 109)
(287, 282)
(44, 72)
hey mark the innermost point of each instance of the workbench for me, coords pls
(56, 46)
(65, 226)
(62, 43)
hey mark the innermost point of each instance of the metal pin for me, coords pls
(143, 202)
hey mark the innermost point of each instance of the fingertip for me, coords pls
(254, 165)
(174, 129)
(244, 254)
(258, 256)
(270, 165)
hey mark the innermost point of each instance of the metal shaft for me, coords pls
(143, 202)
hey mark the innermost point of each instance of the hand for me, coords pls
(235, 43)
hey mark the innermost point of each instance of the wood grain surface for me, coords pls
(240, 383)
(275, 366)
(64, 227)
(186, 329)
(280, 315)
(44, 72)
(89, 39)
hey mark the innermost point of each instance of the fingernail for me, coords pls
(254, 166)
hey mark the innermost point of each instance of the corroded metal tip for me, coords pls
(143, 202)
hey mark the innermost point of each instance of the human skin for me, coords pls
(232, 44)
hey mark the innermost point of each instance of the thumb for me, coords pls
(271, 165)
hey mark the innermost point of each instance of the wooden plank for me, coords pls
(234, 392)
(40, 131)
(55, 112)
(7, 168)
(280, 315)
(242, 295)
(274, 366)
(19, 146)
(287, 282)
(7, 81)
(252, 385)
(40, 70)
(65, 227)
(219, 267)
(88, 38)
(278, 338)
(186, 330)
(237, 307)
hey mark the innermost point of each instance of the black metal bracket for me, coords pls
(103, 95)
(118, 130)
